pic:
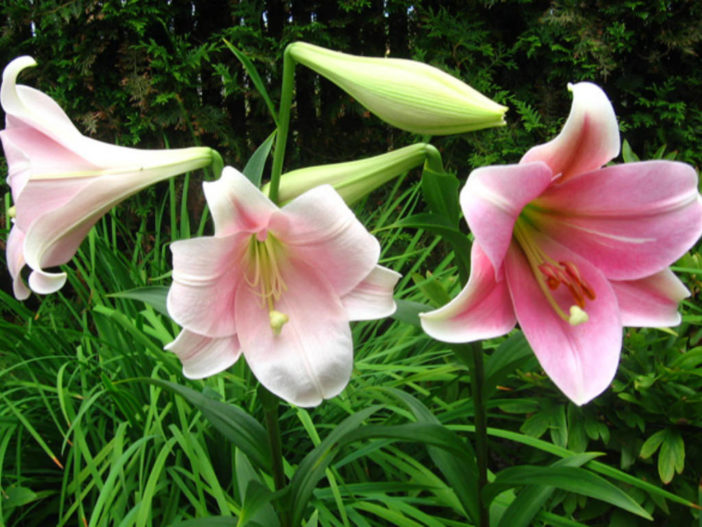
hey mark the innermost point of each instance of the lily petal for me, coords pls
(629, 220)
(651, 301)
(236, 204)
(581, 360)
(204, 356)
(493, 197)
(206, 274)
(482, 310)
(372, 297)
(46, 283)
(320, 229)
(53, 237)
(312, 357)
(589, 138)
(15, 262)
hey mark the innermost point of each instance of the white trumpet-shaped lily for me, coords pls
(279, 285)
(63, 182)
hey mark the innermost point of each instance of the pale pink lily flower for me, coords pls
(572, 250)
(63, 182)
(279, 285)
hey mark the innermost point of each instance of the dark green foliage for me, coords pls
(136, 72)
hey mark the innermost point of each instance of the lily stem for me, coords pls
(472, 356)
(481, 440)
(270, 404)
(281, 138)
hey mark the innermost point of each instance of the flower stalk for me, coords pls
(281, 138)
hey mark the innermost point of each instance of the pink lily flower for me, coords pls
(279, 285)
(63, 182)
(572, 250)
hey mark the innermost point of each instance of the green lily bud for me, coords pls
(353, 179)
(407, 94)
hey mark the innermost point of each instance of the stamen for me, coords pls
(264, 269)
(550, 275)
(12, 212)
(264, 254)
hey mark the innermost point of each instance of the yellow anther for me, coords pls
(12, 212)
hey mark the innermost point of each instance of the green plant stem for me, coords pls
(270, 404)
(217, 164)
(477, 373)
(472, 356)
(283, 124)
(433, 159)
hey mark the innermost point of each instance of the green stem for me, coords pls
(283, 124)
(433, 159)
(471, 355)
(270, 404)
(481, 441)
(217, 164)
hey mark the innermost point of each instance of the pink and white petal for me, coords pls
(15, 262)
(492, 199)
(319, 229)
(206, 274)
(19, 168)
(372, 298)
(581, 360)
(203, 356)
(312, 357)
(53, 237)
(46, 283)
(629, 220)
(589, 138)
(236, 204)
(482, 310)
(651, 301)
(40, 197)
(32, 107)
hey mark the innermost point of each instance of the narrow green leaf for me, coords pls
(256, 498)
(247, 481)
(440, 191)
(595, 466)
(232, 422)
(461, 477)
(311, 469)
(257, 162)
(531, 499)
(436, 224)
(154, 295)
(570, 479)
(255, 78)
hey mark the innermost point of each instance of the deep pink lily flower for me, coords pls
(279, 285)
(573, 250)
(63, 182)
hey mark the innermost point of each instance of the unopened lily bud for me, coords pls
(354, 179)
(407, 94)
